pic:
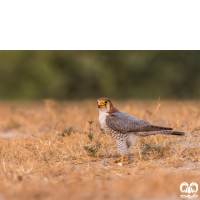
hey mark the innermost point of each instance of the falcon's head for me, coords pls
(105, 105)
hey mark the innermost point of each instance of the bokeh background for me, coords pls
(27, 75)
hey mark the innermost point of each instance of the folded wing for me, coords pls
(126, 123)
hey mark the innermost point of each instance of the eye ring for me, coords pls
(105, 102)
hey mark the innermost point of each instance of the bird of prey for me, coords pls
(124, 128)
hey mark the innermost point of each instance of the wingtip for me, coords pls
(162, 128)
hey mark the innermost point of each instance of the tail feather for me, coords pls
(165, 132)
(177, 133)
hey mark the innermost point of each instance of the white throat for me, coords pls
(102, 118)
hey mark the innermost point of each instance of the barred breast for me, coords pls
(117, 135)
(121, 139)
(124, 141)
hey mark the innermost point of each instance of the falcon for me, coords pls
(125, 128)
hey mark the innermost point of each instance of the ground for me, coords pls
(56, 150)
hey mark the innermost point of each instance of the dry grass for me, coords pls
(39, 160)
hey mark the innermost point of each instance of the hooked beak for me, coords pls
(101, 105)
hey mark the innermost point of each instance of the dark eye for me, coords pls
(106, 102)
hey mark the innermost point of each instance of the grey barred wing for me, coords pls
(125, 123)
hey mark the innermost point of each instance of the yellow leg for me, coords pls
(122, 160)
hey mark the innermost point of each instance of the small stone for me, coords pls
(19, 178)
(120, 164)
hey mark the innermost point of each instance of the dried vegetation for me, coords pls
(56, 150)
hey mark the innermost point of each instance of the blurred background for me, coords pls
(27, 75)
